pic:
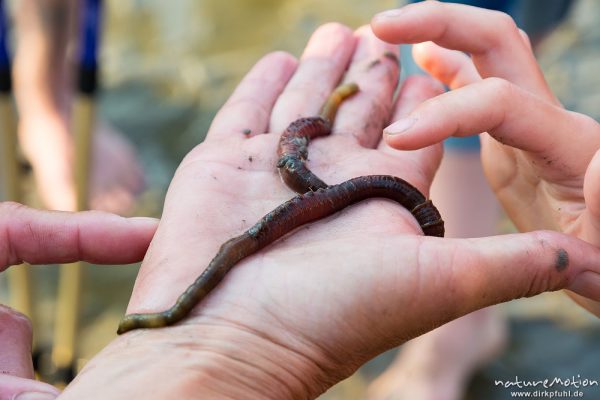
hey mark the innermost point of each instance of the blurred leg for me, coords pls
(43, 71)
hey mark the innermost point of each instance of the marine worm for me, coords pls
(316, 200)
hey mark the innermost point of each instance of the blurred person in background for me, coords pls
(44, 80)
(438, 365)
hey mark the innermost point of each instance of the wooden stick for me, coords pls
(71, 275)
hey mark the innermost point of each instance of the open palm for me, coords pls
(322, 301)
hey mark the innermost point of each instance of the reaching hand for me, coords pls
(41, 237)
(299, 316)
(541, 160)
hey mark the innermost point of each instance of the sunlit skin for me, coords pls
(43, 80)
(293, 320)
(42, 237)
(541, 160)
(300, 316)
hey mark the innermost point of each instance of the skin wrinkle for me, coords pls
(11, 256)
(495, 43)
(326, 368)
(216, 375)
(548, 282)
(307, 342)
(417, 289)
(383, 109)
(273, 340)
(442, 33)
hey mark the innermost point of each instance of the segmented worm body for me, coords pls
(316, 200)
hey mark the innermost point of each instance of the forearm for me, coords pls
(197, 362)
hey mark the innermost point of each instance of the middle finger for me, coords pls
(322, 65)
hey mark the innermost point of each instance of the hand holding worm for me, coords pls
(292, 320)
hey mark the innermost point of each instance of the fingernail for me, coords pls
(35, 396)
(389, 14)
(400, 126)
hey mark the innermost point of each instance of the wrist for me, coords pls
(215, 360)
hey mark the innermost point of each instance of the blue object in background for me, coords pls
(5, 78)
(90, 39)
(90, 21)
(4, 59)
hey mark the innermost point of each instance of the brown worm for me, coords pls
(317, 200)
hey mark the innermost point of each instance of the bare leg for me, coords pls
(438, 364)
(43, 71)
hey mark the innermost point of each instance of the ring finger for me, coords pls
(322, 66)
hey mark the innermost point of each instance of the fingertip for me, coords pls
(402, 134)
(591, 185)
(15, 343)
(591, 194)
(414, 91)
(406, 134)
(363, 30)
(328, 38)
(454, 68)
(146, 223)
(387, 25)
(16, 322)
(525, 38)
(333, 28)
(422, 53)
(383, 26)
(278, 63)
(281, 58)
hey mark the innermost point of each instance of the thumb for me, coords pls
(16, 368)
(503, 268)
(459, 276)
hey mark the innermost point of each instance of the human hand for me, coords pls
(307, 311)
(541, 160)
(41, 237)
(537, 156)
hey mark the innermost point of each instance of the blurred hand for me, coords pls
(294, 319)
(541, 160)
(51, 237)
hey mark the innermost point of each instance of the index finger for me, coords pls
(247, 111)
(42, 237)
(491, 37)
